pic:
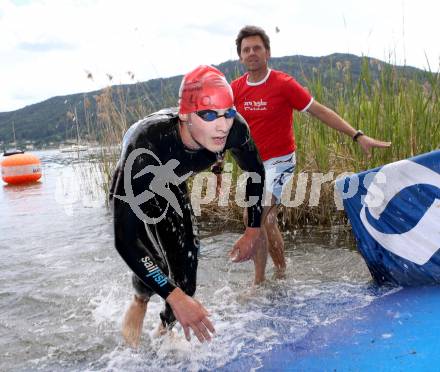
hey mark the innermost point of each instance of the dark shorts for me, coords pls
(174, 243)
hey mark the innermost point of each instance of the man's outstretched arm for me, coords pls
(333, 120)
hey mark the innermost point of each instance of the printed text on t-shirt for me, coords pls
(255, 105)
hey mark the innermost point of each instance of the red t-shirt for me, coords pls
(268, 107)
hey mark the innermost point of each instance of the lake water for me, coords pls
(64, 288)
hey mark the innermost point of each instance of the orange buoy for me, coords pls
(21, 168)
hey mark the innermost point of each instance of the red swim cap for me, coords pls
(204, 88)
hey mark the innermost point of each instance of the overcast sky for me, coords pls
(48, 46)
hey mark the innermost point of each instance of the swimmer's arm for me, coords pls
(188, 311)
(130, 233)
(134, 252)
(249, 160)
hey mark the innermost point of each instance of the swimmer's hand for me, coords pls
(190, 313)
(245, 247)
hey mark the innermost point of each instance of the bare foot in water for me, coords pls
(162, 331)
(133, 322)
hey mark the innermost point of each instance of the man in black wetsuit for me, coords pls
(153, 219)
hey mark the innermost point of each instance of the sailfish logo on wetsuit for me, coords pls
(154, 271)
(164, 175)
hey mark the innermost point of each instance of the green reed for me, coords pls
(381, 100)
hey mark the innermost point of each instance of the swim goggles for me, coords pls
(211, 115)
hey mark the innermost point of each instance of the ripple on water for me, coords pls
(63, 296)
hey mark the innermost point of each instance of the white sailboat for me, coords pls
(74, 148)
(77, 147)
(14, 150)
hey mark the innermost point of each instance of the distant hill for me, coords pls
(48, 121)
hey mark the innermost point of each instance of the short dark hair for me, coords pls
(247, 31)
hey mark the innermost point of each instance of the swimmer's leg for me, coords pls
(133, 320)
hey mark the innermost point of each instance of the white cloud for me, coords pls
(47, 45)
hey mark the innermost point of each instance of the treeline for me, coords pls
(54, 119)
(397, 104)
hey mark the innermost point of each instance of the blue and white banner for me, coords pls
(395, 214)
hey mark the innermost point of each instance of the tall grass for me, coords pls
(383, 102)
(112, 119)
(391, 107)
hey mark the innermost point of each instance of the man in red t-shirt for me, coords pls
(266, 98)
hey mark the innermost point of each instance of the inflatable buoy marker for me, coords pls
(21, 168)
